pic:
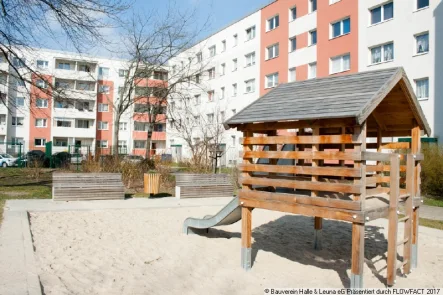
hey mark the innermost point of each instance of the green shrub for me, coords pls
(432, 171)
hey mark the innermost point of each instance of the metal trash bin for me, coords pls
(151, 183)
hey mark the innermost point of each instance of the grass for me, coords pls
(432, 202)
(18, 183)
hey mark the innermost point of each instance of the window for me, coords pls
(83, 105)
(272, 51)
(159, 75)
(250, 59)
(211, 95)
(341, 28)
(197, 99)
(422, 4)
(103, 107)
(82, 124)
(122, 144)
(104, 72)
(102, 125)
(141, 108)
(382, 53)
(41, 84)
(19, 102)
(102, 143)
(123, 73)
(222, 116)
(122, 126)
(17, 121)
(84, 68)
(40, 122)
(211, 73)
(39, 142)
(271, 80)
(234, 65)
(60, 142)
(63, 123)
(61, 104)
(250, 86)
(210, 118)
(64, 66)
(250, 33)
(292, 44)
(222, 93)
(103, 88)
(235, 39)
(197, 78)
(199, 57)
(422, 43)
(42, 64)
(223, 45)
(340, 64)
(17, 140)
(212, 51)
(62, 85)
(139, 144)
(20, 82)
(333, 1)
(312, 5)
(313, 37)
(2, 119)
(17, 62)
(422, 88)
(291, 75)
(85, 86)
(234, 89)
(41, 103)
(273, 23)
(293, 13)
(312, 70)
(382, 13)
(222, 69)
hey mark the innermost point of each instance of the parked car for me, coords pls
(133, 159)
(7, 160)
(77, 158)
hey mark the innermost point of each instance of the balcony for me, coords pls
(74, 113)
(63, 127)
(75, 70)
(75, 89)
(4, 66)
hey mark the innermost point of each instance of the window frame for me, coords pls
(291, 47)
(252, 82)
(342, 33)
(102, 124)
(382, 51)
(45, 105)
(250, 57)
(100, 108)
(290, 70)
(341, 58)
(416, 88)
(311, 34)
(44, 62)
(43, 120)
(234, 89)
(276, 53)
(235, 63)
(421, 8)
(311, 6)
(382, 13)
(212, 51)
(122, 124)
(253, 33)
(42, 142)
(275, 20)
(16, 119)
(101, 89)
(274, 77)
(291, 14)
(19, 105)
(310, 66)
(416, 53)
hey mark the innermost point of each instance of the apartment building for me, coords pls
(295, 40)
(81, 114)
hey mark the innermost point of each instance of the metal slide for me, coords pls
(231, 213)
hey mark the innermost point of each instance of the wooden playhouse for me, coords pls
(345, 163)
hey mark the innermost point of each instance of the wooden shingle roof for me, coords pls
(348, 96)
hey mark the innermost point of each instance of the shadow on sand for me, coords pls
(298, 234)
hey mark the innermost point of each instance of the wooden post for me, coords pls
(410, 165)
(318, 221)
(246, 229)
(415, 149)
(246, 237)
(358, 252)
(379, 143)
(358, 229)
(272, 147)
(393, 218)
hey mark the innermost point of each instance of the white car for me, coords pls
(7, 160)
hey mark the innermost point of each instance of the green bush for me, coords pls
(432, 171)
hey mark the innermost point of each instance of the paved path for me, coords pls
(431, 212)
(18, 271)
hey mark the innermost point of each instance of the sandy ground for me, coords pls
(144, 252)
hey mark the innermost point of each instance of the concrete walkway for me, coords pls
(431, 212)
(18, 271)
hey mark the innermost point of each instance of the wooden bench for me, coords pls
(87, 186)
(203, 185)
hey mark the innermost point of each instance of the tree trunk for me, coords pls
(148, 140)
(115, 137)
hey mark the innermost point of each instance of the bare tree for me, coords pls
(151, 42)
(202, 133)
(24, 24)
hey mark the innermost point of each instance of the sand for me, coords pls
(144, 252)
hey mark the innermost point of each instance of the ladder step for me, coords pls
(403, 218)
(404, 196)
(402, 242)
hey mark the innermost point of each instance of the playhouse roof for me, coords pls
(347, 96)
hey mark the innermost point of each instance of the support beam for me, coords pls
(379, 121)
(317, 220)
(358, 251)
(393, 218)
(415, 149)
(410, 164)
(246, 237)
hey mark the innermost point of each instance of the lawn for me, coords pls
(22, 183)
(432, 202)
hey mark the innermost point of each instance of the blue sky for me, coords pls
(220, 12)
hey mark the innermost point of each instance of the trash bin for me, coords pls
(151, 183)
